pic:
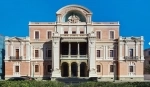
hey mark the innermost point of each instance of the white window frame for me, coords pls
(14, 53)
(113, 53)
(34, 53)
(34, 34)
(134, 69)
(109, 34)
(47, 34)
(17, 74)
(38, 68)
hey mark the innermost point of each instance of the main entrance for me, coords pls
(74, 69)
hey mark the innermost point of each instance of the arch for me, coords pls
(79, 10)
(65, 69)
(83, 69)
(74, 69)
(75, 6)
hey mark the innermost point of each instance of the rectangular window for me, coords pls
(73, 32)
(111, 53)
(36, 34)
(98, 68)
(17, 53)
(98, 53)
(65, 32)
(131, 68)
(49, 53)
(98, 35)
(148, 53)
(131, 52)
(49, 67)
(36, 53)
(36, 68)
(111, 34)
(111, 68)
(49, 34)
(81, 32)
(16, 68)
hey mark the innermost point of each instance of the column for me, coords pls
(142, 55)
(126, 49)
(6, 50)
(120, 51)
(11, 47)
(41, 52)
(78, 50)
(27, 50)
(69, 69)
(85, 30)
(78, 69)
(21, 50)
(136, 49)
(106, 52)
(78, 30)
(69, 52)
(31, 49)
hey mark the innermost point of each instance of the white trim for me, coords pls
(14, 69)
(39, 34)
(134, 69)
(109, 34)
(47, 34)
(38, 53)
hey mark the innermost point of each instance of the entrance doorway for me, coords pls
(83, 69)
(74, 69)
(64, 69)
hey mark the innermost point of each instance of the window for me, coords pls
(148, 53)
(130, 68)
(36, 34)
(81, 32)
(73, 32)
(98, 35)
(111, 68)
(111, 53)
(49, 53)
(17, 53)
(65, 32)
(98, 68)
(111, 34)
(131, 52)
(49, 67)
(36, 68)
(49, 34)
(16, 68)
(98, 53)
(36, 53)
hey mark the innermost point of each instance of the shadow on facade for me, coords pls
(3, 64)
(47, 63)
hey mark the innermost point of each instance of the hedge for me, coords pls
(60, 84)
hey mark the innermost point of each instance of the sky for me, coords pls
(133, 15)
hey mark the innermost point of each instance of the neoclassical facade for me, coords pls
(74, 46)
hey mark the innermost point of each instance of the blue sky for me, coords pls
(133, 15)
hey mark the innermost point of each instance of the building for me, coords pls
(147, 64)
(2, 51)
(74, 46)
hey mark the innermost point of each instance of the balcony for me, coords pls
(131, 58)
(73, 57)
(16, 58)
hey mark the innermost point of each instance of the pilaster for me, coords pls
(27, 50)
(55, 57)
(120, 52)
(106, 52)
(142, 51)
(126, 49)
(136, 49)
(11, 48)
(6, 50)
(22, 50)
(78, 69)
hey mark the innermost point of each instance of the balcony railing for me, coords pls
(73, 35)
(73, 56)
(16, 58)
(131, 57)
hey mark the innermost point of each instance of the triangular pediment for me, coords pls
(16, 39)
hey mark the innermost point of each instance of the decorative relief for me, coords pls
(74, 8)
(73, 19)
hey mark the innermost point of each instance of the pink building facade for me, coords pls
(74, 46)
